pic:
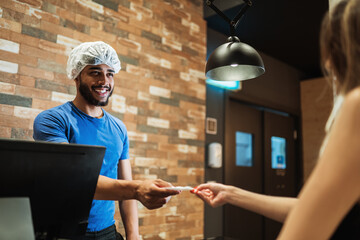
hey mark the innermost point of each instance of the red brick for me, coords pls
(168, 147)
(127, 12)
(11, 121)
(65, 14)
(56, 29)
(129, 28)
(129, 118)
(161, 139)
(175, 218)
(63, 79)
(36, 72)
(89, 22)
(32, 92)
(52, 47)
(48, 17)
(35, 3)
(61, 59)
(11, 25)
(61, 97)
(15, 6)
(83, 10)
(43, 104)
(7, 88)
(159, 107)
(5, 33)
(177, 171)
(140, 24)
(9, 78)
(24, 39)
(84, 37)
(26, 113)
(5, 132)
(6, 109)
(154, 220)
(36, 52)
(127, 93)
(101, 35)
(136, 2)
(119, 16)
(27, 81)
(18, 58)
(156, 154)
(143, 42)
(29, 18)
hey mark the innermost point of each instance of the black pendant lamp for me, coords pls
(234, 60)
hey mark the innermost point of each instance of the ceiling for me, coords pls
(287, 30)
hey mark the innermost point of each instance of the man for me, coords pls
(92, 65)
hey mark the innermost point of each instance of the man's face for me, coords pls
(96, 83)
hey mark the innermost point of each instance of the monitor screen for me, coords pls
(60, 180)
(278, 152)
(244, 149)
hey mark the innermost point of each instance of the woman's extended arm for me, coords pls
(276, 208)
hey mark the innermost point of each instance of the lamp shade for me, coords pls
(234, 61)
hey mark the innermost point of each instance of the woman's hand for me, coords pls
(214, 194)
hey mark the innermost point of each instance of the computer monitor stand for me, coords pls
(15, 219)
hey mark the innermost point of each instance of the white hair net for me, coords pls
(91, 53)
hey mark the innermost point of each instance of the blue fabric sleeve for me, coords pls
(49, 127)
(125, 152)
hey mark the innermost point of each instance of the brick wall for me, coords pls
(159, 93)
(316, 104)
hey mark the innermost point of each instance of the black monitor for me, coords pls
(60, 180)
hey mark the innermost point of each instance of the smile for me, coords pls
(102, 91)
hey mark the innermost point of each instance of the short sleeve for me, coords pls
(50, 127)
(125, 152)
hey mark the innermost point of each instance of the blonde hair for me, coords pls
(340, 49)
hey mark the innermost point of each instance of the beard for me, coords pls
(87, 95)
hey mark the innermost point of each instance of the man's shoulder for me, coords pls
(115, 120)
(58, 111)
(66, 107)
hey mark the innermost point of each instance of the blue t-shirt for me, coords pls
(66, 123)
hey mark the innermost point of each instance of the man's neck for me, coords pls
(84, 106)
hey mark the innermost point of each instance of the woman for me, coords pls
(329, 204)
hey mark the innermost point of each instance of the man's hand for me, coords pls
(151, 193)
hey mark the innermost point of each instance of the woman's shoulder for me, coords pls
(350, 108)
(352, 99)
(353, 96)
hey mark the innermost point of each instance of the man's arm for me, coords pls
(128, 208)
(276, 208)
(150, 193)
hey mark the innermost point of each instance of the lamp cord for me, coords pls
(233, 23)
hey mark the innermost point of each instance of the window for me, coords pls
(244, 149)
(278, 152)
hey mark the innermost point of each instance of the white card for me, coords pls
(180, 188)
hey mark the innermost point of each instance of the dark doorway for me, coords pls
(260, 157)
